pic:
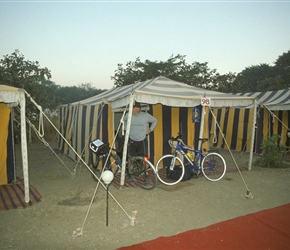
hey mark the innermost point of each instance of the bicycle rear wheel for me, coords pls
(213, 166)
(113, 164)
(170, 170)
(142, 173)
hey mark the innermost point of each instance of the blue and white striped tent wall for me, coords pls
(81, 124)
(273, 117)
(170, 102)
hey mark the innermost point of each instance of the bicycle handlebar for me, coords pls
(179, 138)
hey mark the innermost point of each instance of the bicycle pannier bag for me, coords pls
(176, 173)
(97, 146)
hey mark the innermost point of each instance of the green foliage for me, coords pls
(251, 78)
(273, 153)
(21, 73)
(261, 77)
(18, 72)
(73, 94)
(176, 68)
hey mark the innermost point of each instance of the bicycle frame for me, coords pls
(198, 154)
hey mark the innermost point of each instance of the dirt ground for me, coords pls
(167, 210)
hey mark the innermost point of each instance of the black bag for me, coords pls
(98, 147)
(176, 173)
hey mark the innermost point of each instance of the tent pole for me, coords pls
(201, 127)
(253, 135)
(122, 181)
(24, 149)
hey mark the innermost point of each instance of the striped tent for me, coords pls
(9, 98)
(171, 102)
(273, 117)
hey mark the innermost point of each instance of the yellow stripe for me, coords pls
(275, 123)
(229, 132)
(213, 127)
(250, 129)
(5, 113)
(266, 124)
(220, 138)
(190, 128)
(284, 130)
(158, 135)
(174, 121)
(240, 134)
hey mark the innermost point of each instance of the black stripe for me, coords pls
(34, 195)
(183, 113)
(246, 119)
(90, 134)
(225, 126)
(3, 201)
(235, 127)
(197, 129)
(259, 130)
(10, 197)
(166, 130)
(105, 123)
(82, 130)
(98, 122)
(20, 199)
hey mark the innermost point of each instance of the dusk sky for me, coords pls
(84, 41)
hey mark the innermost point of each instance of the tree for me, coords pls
(224, 83)
(75, 93)
(21, 73)
(282, 67)
(18, 72)
(264, 77)
(252, 78)
(175, 68)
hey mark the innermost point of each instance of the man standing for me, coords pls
(142, 124)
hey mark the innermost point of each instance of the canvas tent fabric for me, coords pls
(169, 101)
(273, 118)
(11, 96)
(6, 166)
(274, 100)
(166, 92)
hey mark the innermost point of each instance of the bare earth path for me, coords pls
(165, 211)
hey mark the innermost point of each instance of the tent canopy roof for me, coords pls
(11, 95)
(274, 100)
(167, 92)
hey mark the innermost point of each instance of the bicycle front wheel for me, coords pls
(170, 170)
(143, 173)
(102, 164)
(213, 166)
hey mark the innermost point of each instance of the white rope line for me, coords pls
(79, 157)
(274, 116)
(41, 138)
(248, 191)
(214, 139)
(87, 140)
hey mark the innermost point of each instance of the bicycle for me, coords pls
(138, 168)
(212, 165)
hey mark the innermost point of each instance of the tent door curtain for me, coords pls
(6, 145)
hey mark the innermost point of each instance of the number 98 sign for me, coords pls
(205, 101)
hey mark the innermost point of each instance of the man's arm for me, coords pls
(153, 121)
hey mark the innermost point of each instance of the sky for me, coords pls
(84, 41)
